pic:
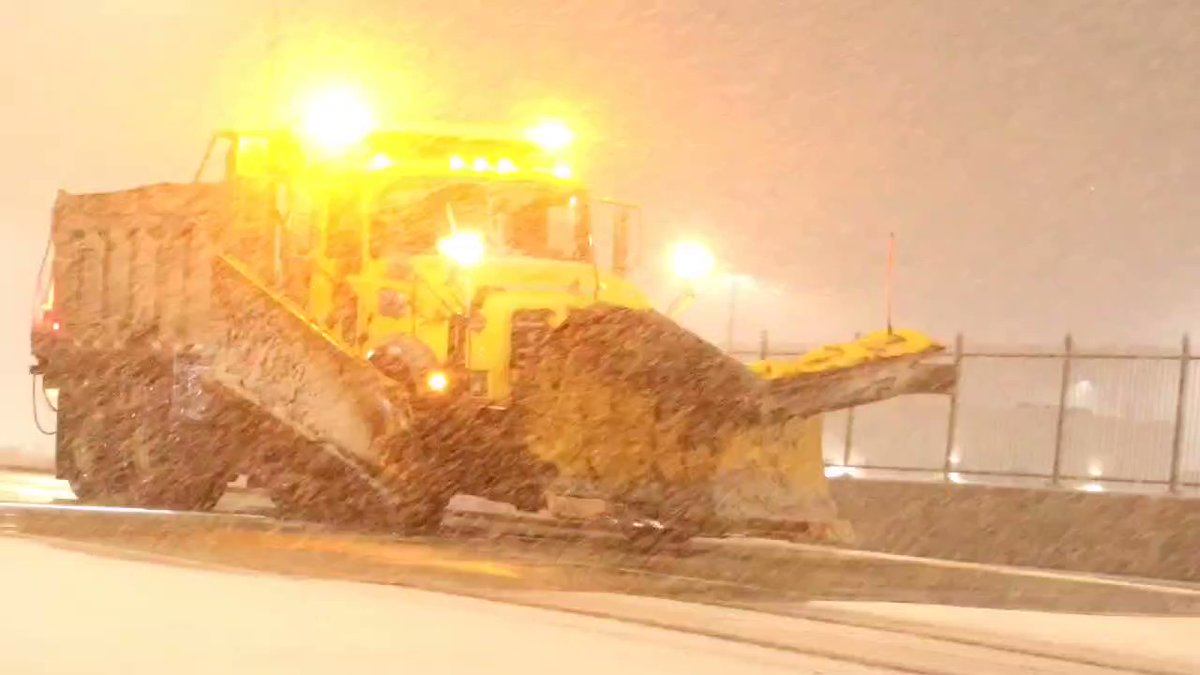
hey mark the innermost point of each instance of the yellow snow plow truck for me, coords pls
(370, 329)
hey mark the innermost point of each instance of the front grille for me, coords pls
(529, 328)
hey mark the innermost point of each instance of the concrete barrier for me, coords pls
(1147, 536)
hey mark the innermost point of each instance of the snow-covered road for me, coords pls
(102, 590)
(70, 612)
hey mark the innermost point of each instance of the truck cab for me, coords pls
(439, 257)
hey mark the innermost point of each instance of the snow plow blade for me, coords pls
(771, 477)
(639, 414)
(878, 367)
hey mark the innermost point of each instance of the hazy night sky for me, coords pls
(1039, 161)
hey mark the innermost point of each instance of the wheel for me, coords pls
(88, 459)
(117, 444)
(310, 484)
(469, 449)
(172, 463)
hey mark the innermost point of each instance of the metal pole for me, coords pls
(764, 351)
(1185, 359)
(849, 436)
(952, 421)
(1060, 426)
(887, 286)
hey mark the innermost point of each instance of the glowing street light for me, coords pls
(692, 261)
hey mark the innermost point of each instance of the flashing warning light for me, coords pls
(465, 249)
(551, 136)
(337, 119)
(380, 162)
(692, 261)
(563, 171)
(457, 163)
(506, 166)
(437, 381)
(55, 326)
(482, 165)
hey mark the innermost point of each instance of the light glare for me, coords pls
(839, 471)
(379, 163)
(551, 136)
(437, 381)
(337, 119)
(692, 261)
(465, 249)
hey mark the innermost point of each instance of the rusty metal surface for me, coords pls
(132, 266)
(154, 267)
(817, 393)
(268, 353)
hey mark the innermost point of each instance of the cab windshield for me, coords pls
(518, 219)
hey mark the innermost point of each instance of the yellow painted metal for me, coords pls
(433, 290)
(765, 465)
(879, 346)
(773, 473)
(768, 471)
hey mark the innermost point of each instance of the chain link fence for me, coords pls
(1066, 416)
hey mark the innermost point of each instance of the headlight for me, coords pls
(437, 381)
(466, 249)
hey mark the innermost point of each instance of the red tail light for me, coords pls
(49, 322)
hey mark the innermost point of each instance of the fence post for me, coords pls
(1185, 359)
(764, 351)
(849, 436)
(952, 421)
(1060, 425)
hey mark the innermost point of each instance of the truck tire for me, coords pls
(85, 453)
(314, 486)
(171, 463)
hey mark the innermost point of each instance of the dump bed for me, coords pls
(135, 267)
(175, 273)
